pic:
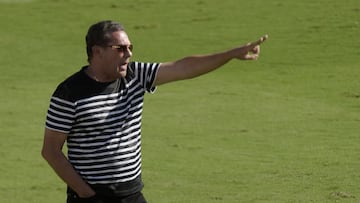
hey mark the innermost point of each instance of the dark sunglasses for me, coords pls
(122, 48)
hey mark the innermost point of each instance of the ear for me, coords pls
(97, 50)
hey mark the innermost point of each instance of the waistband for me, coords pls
(121, 189)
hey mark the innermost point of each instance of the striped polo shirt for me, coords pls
(103, 123)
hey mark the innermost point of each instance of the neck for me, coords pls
(96, 73)
(90, 71)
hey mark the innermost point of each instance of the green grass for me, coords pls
(282, 129)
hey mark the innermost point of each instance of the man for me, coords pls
(97, 112)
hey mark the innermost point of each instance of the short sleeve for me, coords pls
(146, 74)
(61, 113)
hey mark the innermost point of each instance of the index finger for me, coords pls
(261, 40)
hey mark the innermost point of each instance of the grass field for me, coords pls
(282, 129)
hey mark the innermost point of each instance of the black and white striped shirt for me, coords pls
(103, 123)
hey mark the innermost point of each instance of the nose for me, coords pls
(128, 52)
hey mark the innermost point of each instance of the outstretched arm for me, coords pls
(193, 66)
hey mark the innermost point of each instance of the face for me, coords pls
(116, 56)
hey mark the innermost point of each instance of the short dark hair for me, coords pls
(100, 34)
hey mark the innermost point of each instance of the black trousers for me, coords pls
(134, 198)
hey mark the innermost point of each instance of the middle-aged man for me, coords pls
(97, 112)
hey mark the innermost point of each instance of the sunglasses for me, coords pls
(122, 48)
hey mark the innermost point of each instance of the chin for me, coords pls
(122, 71)
(122, 74)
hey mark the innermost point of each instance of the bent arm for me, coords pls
(193, 66)
(52, 153)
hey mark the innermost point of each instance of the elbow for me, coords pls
(45, 154)
(48, 154)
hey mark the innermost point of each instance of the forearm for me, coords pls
(67, 173)
(192, 66)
